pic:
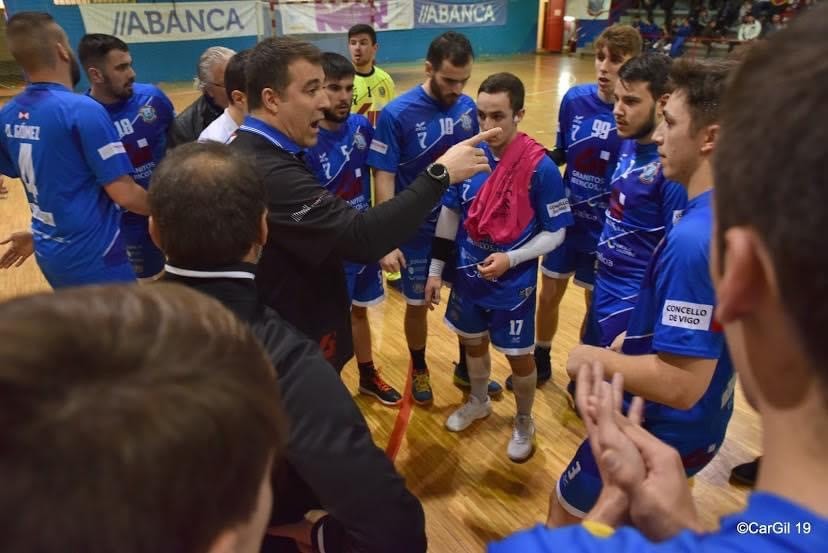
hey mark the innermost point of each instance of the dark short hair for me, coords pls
(337, 66)
(132, 419)
(269, 62)
(451, 46)
(702, 84)
(621, 40)
(207, 202)
(508, 83)
(363, 29)
(30, 37)
(650, 68)
(235, 74)
(769, 167)
(93, 48)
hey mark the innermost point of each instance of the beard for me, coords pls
(645, 129)
(333, 117)
(124, 93)
(443, 99)
(75, 70)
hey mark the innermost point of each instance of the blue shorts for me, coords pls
(364, 284)
(511, 331)
(580, 484)
(565, 261)
(146, 259)
(113, 267)
(607, 318)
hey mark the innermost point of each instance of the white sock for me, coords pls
(524, 388)
(544, 345)
(480, 369)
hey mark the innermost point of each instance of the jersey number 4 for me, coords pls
(26, 167)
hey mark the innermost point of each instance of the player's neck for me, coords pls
(331, 126)
(236, 114)
(50, 76)
(701, 180)
(793, 462)
(102, 97)
(365, 68)
(607, 98)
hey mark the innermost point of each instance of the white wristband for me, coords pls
(436, 268)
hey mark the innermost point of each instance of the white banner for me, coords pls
(588, 9)
(168, 22)
(383, 15)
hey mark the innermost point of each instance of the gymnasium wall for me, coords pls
(175, 61)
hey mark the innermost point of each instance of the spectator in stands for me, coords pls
(207, 213)
(134, 419)
(774, 25)
(745, 9)
(701, 21)
(212, 102)
(682, 30)
(709, 35)
(750, 29)
(235, 85)
(636, 23)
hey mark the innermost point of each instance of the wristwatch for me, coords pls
(438, 171)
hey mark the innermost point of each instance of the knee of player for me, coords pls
(477, 346)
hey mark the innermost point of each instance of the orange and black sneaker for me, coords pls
(374, 385)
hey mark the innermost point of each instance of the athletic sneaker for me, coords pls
(543, 363)
(375, 386)
(421, 387)
(461, 380)
(471, 411)
(522, 444)
(745, 474)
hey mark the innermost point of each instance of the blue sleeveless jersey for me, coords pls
(643, 206)
(339, 161)
(552, 213)
(142, 121)
(413, 131)
(587, 133)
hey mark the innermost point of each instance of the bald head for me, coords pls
(206, 204)
(32, 40)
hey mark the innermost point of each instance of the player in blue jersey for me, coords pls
(774, 320)
(588, 145)
(673, 354)
(643, 204)
(509, 218)
(141, 113)
(339, 162)
(74, 167)
(412, 132)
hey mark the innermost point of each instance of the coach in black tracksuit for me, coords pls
(207, 215)
(311, 231)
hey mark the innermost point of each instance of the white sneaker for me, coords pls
(522, 444)
(472, 410)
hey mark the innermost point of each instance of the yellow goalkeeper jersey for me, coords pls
(372, 92)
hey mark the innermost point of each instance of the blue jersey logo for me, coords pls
(147, 114)
(649, 173)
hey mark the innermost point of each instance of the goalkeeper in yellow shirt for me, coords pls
(373, 87)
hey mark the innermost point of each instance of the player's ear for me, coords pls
(429, 69)
(271, 100)
(63, 52)
(743, 281)
(519, 115)
(155, 235)
(711, 134)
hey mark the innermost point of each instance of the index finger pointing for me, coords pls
(481, 136)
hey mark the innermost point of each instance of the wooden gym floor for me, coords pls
(471, 492)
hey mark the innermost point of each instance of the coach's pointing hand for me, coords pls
(465, 159)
